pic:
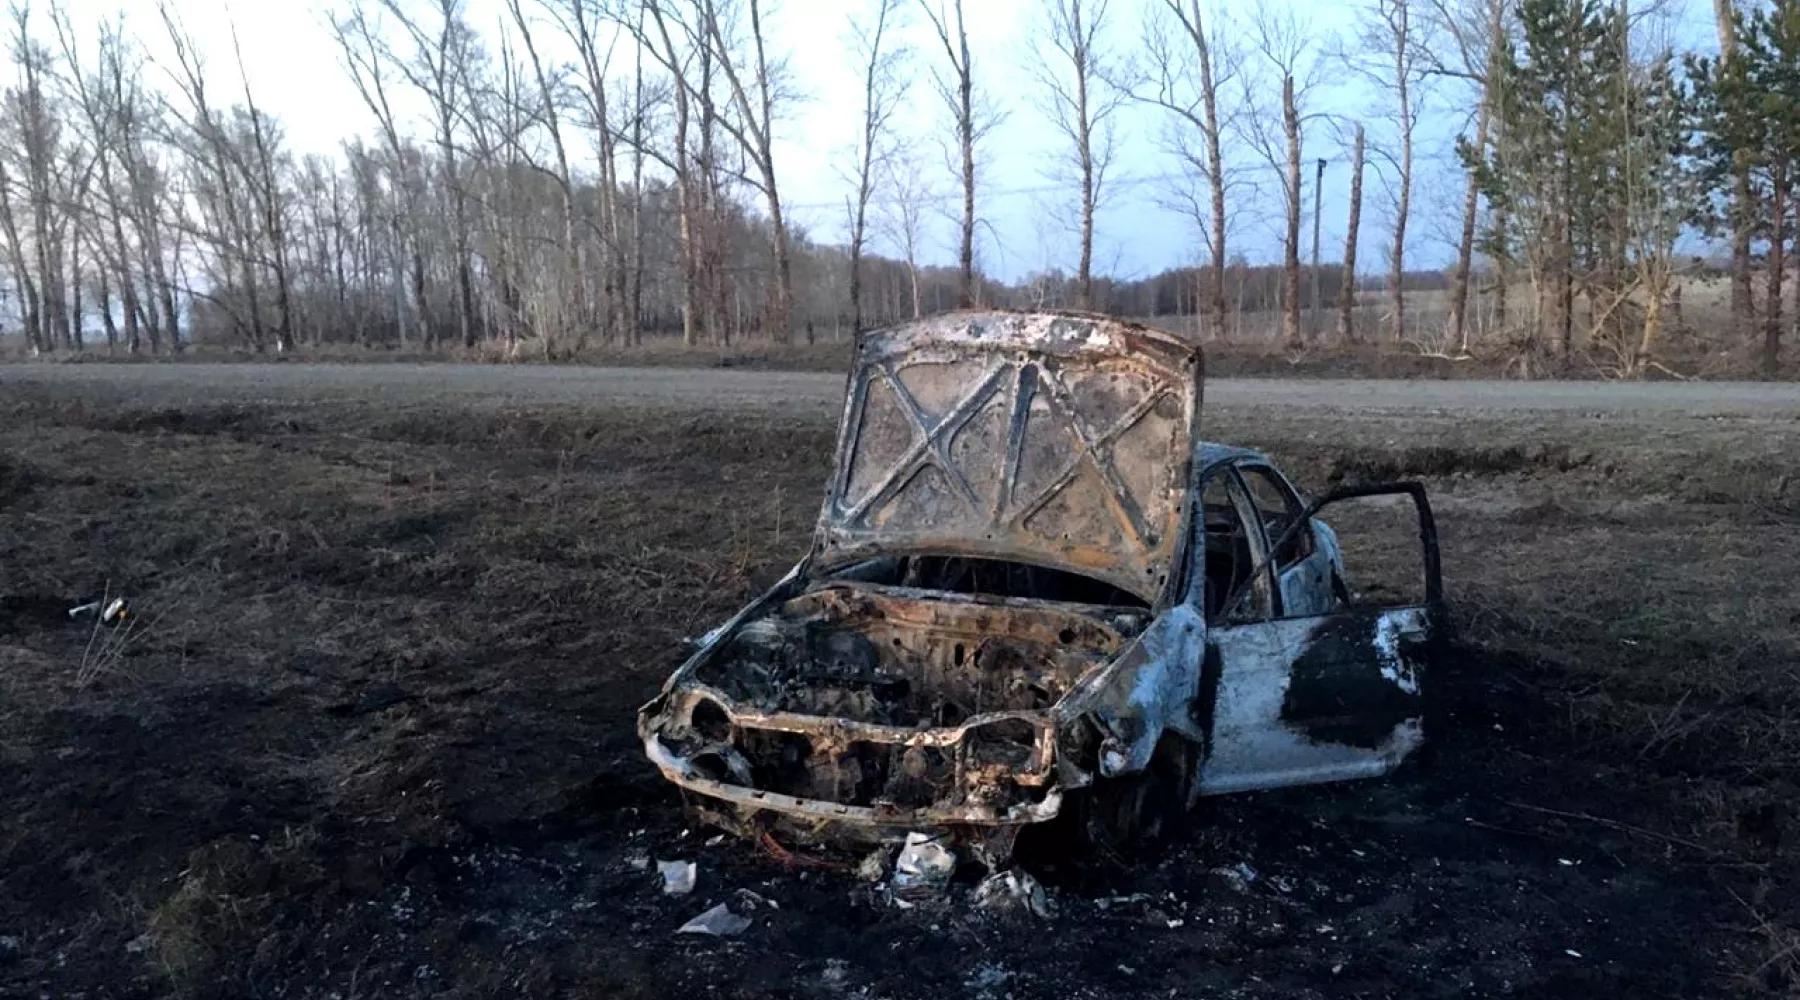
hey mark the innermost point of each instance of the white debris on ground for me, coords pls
(678, 876)
(717, 922)
(923, 870)
(1013, 892)
(874, 867)
(729, 919)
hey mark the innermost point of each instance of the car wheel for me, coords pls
(1143, 806)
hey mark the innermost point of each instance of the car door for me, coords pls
(1298, 698)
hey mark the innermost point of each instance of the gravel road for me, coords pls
(713, 388)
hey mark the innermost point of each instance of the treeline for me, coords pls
(592, 171)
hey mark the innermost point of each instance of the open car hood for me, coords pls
(1053, 439)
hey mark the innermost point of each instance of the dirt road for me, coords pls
(714, 388)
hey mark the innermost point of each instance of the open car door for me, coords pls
(1318, 697)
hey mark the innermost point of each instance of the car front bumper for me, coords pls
(962, 785)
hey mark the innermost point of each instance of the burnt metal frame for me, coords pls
(1428, 536)
(1242, 504)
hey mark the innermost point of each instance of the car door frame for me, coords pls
(1243, 504)
(1311, 574)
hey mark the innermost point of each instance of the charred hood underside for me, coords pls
(1049, 439)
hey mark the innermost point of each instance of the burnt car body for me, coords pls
(1035, 591)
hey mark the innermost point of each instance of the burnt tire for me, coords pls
(1117, 813)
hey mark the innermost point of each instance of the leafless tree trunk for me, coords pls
(1347, 290)
(77, 305)
(958, 91)
(103, 286)
(681, 164)
(755, 132)
(365, 56)
(1189, 67)
(1477, 58)
(1502, 275)
(268, 195)
(37, 132)
(1392, 58)
(22, 272)
(579, 24)
(906, 222)
(1286, 52)
(1290, 264)
(634, 328)
(1743, 200)
(230, 235)
(439, 70)
(1778, 205)
(101, 105)
(1083, 101)
(1398, 16)
(879, 59)
(722, 319)
(573, 279)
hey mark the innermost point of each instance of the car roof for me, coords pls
(1211, 453)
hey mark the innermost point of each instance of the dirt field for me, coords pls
(373, 733)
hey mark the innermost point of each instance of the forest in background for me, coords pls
(545, 205)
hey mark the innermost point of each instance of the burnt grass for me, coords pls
(372, 732)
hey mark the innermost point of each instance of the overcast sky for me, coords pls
(295, 70)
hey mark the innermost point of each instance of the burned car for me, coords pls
(1035, 593)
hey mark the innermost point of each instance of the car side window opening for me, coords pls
(1232, 548)
(1277, 506)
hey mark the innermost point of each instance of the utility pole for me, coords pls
(1318, 204)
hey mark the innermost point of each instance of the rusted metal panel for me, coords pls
(1056, 439)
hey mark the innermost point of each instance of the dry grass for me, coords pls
(383, 720)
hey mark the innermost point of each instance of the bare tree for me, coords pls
(957, 88)
(676, 59)
(1476, 31)
(442, 56)
(1285, 52)
(572, 279)
(1084, 99)
(37, 144)
(270, 203)
(1390, 54)
(22, 272)
(581, 24)
(755, 132)
(879, 60)
(1190, 67)
(1346, 326)
(100, 104)
(227, 225)
(634, 329)
(366, 57)
(905, 222)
